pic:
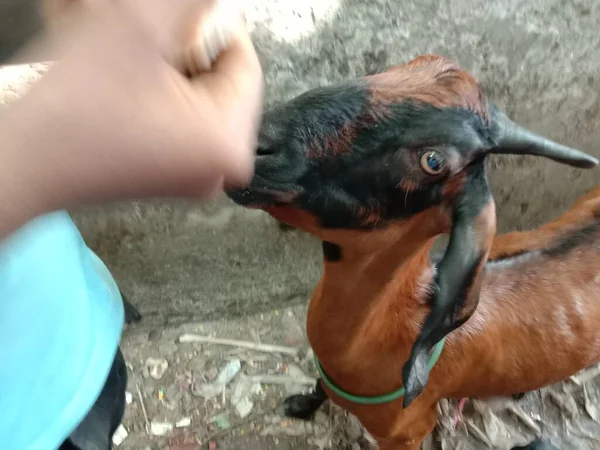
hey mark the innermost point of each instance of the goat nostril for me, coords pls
(264, 151)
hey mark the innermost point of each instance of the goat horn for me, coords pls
(513, 139)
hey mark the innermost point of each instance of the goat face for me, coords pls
(382, 148)
(403, 147)
(374, 150)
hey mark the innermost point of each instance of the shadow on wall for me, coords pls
(181, 261)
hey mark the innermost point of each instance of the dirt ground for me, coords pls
(170, 381)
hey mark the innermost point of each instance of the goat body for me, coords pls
(536, 323)
(379, 168)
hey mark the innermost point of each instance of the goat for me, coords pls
(378, 168)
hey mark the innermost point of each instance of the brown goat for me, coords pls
(378, 168)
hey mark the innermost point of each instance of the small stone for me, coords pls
(154, 334)
(160, 428)
(185, 422)
(119, 436)
(167, 348)
(156, 367)
(198, 365)
(211, 374)
(174, 393)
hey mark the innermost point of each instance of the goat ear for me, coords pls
(457, 284)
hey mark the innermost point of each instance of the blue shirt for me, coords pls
(61, 318)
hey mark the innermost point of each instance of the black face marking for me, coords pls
(332, 252)
(325, 153)
(304, 406)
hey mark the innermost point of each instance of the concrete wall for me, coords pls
(538, 59)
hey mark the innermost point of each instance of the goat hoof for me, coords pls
(518, 396)
(132, 315)
(301, 406)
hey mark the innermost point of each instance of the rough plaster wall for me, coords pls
(539, 60)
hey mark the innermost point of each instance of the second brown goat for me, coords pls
(378, 168)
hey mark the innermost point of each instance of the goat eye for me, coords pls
(432, 162)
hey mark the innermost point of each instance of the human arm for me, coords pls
(115, 118)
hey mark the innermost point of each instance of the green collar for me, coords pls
(377, 399)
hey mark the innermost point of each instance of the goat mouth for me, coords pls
(260, 198)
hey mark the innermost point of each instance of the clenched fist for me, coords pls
(144, 98)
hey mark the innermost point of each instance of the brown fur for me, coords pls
(429, 79)
(536, 323)
(335, 145)
(534, 313)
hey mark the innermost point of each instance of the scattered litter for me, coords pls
(354, 429)
(128, 397)
(160, 428)
(245, 386)
(217, 387)
(478, 434)
(221, 421)
(294, 371)
(119, 436)
(212, 445)
(444, 414)
(244, 407)
(283, 379)
(586, 375)
(521, 415)
(147, 422)
(591, 405)
(185, 422)
(157, 367)
(161, 395)
(243, 391)
(244, 344)
(188, 446)
(427, 444)
(579, 432)
(370, 439)
(322, 441)
(495, 429)
(290, 427)
(565, 402)
(458, 412)
(211, 374)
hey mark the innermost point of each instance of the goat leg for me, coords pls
(131, 313)
(304, 406)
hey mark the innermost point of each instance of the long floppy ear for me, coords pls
(457, 283)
